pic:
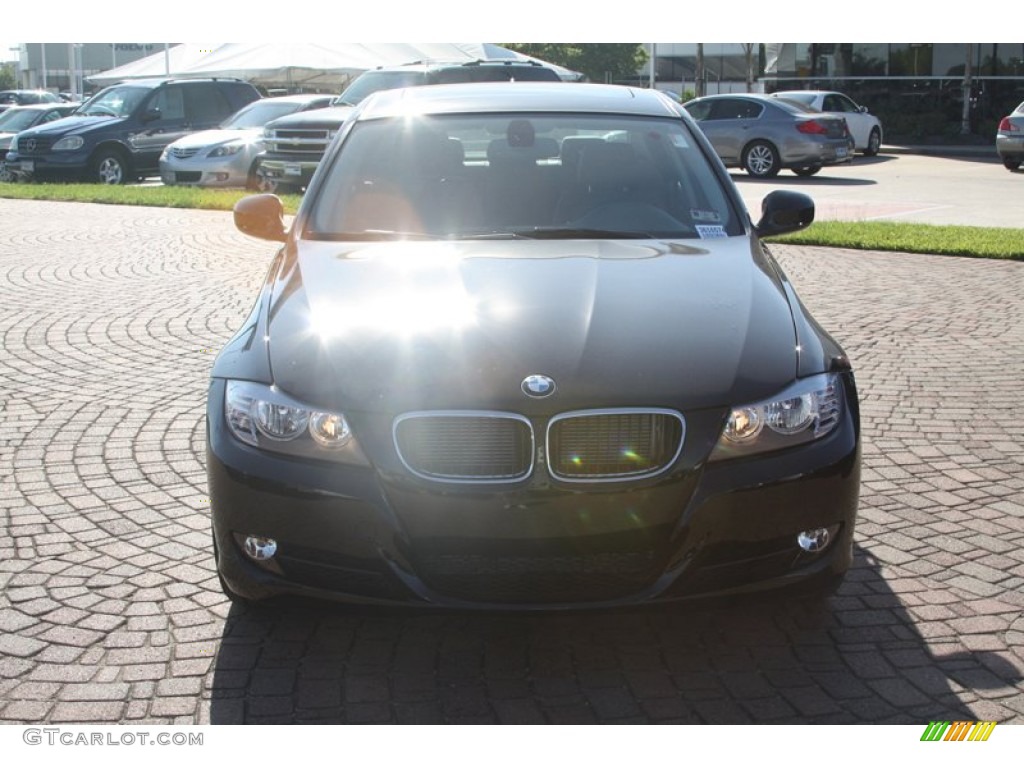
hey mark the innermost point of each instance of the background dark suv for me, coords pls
(118, 134)
(295, 143)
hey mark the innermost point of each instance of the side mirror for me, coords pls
(862, 109)
(261, 216)
(783, 211)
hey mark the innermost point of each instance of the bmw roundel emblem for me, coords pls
(537, 385)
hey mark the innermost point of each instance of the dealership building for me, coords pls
(900, 80)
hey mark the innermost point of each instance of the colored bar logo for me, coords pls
(959, 730)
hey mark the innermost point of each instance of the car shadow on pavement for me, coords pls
(859, 657)
(822, 179)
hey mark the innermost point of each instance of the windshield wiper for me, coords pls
(580, 233)
(371, 235)
(492, 236)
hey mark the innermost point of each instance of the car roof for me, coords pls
(153, 82)
(800, 90)
(42, 107)
(717, 96)
(517, 97)
(296, 98)
(434, 65)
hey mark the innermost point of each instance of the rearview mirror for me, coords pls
(261, 216)
(783, 211)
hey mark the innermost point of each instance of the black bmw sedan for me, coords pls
(522, 347)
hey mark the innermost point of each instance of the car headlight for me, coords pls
(68, 144)
(226, 150)
(806, 411)
(265, 417)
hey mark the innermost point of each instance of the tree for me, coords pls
(600, 62)
(8, 77)
(750, 50)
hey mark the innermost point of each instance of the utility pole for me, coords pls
(700, 85)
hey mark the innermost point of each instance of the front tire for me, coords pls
(761, 160)
(1011, 163)
(874, 143)
(808, 171)
(109, 166)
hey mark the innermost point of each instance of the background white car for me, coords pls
(865, 127)
(225, 156)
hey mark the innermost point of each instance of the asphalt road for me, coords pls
(972, 190)
(109, 606)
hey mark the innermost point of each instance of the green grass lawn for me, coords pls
(981, 242)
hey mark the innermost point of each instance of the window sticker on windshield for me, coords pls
(707, 231)
(698, 215)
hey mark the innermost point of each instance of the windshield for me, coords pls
(259, 113)
(14, 120)
(371, 82)
(117, 101)
(521, 176)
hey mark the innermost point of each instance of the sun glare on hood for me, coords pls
(425, 295)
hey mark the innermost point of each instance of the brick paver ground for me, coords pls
(110, 612)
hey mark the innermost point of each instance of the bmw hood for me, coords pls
(394, 327)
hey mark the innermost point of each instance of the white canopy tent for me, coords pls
(295, 65)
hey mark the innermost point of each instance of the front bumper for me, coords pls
(207, 172)
(292, 171)
(362, 535)
(58, 166)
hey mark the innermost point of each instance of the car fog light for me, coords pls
(260, 547)
(814, 540)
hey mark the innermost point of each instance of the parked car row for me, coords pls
(226, 156)
(763, 135)
(190, 132)
(119, 134)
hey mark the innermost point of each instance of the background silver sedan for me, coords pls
(865, 127)
(763, 135)
(1010, 139)
(225, 157)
